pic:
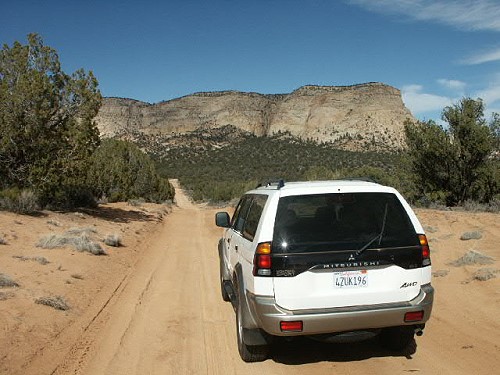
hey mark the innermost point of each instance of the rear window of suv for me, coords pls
(353, 221)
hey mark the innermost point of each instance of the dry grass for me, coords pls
(56, 302)
(53, 241)
(7, 282)
(440, 273)
(113, 240)
(471, 236)
(484, 274)
(24, 202)
(54, 223)
(81, 231)
(78, 238)
(41, 260)
(136, 202)
(472, 257)
(85, 243)
(6, 295)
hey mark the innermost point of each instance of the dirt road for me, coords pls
(167, 317)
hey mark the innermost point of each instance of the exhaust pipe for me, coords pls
(419, 331)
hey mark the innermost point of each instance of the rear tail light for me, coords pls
(414, 316)
(295, 326)
(262, 261)
(426, 251)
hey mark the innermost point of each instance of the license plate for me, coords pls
(350, 279)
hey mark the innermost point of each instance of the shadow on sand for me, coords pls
(303, 350)
(119, 215)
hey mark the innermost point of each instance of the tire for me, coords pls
(225, 295)
(248, 353)
(398, 338)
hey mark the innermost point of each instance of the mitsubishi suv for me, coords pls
(338, 261)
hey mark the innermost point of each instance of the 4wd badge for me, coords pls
(406, 285)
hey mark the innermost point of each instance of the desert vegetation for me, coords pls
(451, 165)
(7, 282)
(120, 171)
(79, 239)
(457, 163)
(49, 142)
(217, 171)
(56, 302)
(51, 154)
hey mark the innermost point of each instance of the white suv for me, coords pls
(336, 260)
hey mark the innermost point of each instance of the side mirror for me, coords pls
(222, 219)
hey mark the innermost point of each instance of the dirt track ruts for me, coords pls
(167, 317)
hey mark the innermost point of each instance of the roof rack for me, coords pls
(366, 179)
(278, 183)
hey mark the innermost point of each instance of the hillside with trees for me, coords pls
(441, 165)
(51, 153)
(217, 171)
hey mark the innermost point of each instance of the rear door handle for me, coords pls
(236, 248)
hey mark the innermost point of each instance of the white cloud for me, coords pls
(491, 98)
(452, 84)
(463, 14)
(490, 95)
(420, 102)
(482, 58)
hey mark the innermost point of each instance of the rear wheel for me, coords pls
(398, 338)
(248, 353)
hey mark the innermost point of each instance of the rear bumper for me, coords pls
(268, 315)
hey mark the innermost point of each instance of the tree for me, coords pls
(121, 171)
(47, 132)
(455, 163)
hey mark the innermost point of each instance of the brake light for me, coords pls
(295, 326)
(426, 251)
(262, 260)
(414, 316)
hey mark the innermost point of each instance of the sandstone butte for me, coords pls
(370, 111)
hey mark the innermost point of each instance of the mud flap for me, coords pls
(252, 335)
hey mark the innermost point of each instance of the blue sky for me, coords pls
(435, 52)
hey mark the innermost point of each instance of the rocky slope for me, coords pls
(353, 116)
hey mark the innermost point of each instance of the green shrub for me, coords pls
(47, 132)
(458, 162)
(120, 171)
(223, 172)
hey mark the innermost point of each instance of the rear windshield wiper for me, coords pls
(377, 237)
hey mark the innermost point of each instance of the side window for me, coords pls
(237, 212)
(241, 213)
(253, 217)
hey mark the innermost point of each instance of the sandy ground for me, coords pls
(153, 306)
